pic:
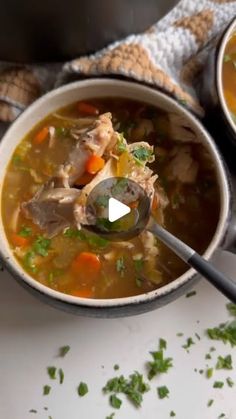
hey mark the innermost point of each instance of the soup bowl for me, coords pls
(212, 91)
(98, 88)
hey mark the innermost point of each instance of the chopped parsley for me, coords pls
(121, 143)
(230, 382)
(179, 334)
(25, 232)
(61, 131)
(116, 367)
(111, 416)
(191, 294)
(115, 401)
(61, 376)
(208, 356)
(46, 390)
(92, 239)
(212, 349)
(102, 201)
(172, 414)
(224, 363)
(222, 415)
(210, 403)
(63, 351)
(209, 372)
(188, 343)
(218, 384)
(163, 392)
(160, 364)
(82, 389)
(52, 372)
(142, 155)
(138, 266)
(120, 266)
(32, 411)
(119, 186)
(231, 307)
(41, 246)
(28, 261)
(225, 333)
(197, 336)
(133, 387)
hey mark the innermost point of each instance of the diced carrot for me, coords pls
(154, 203)
(133, 204)
(83, 293)
(20, 241)
(87, 109)
(94, 164)
(41, 136)
(86, 266)
(84, 179)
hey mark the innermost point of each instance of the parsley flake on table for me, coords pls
(230, 382)
(163, 392)
(210, 403)
(160, 364)
(218, 384)
(116, 367)
(133, 387)
(115, 401)
(111, 416)
(61, 376)
(224, 363)
(225, 333)
(231, 307)
(32, 411)
(209, 372)
(172, 414)
(191, 294)
(188, 343)
(52, 372)
(46, 390)
(64, 350)
(208, 356)
(82, 389)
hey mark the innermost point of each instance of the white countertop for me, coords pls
(31, 333)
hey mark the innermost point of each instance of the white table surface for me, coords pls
(31, 333)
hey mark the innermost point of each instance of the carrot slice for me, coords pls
(41, 136)
(84, 179)
(94, 164)
(83, 293)
(87, 109)
(133, 204)
(87, 266)
(19, 240)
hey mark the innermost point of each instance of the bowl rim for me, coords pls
(15, 268)
(219, 67)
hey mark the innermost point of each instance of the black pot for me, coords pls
(60, 30)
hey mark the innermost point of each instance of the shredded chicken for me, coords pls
(182, 167)
(94, 140)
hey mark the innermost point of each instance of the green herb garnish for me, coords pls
(121, 143)
(28, 261)
(120, 266)
(224, 363)
(41, 246)
(119, 186)
(209, 372)
(111, 416)
(222, 415)
(61, 131)
(208, 356)
(218, 384)
(188, 343)
(32, 411)
(102, 201)
(163, 392)
(134, 387)
(197, 336)
(225, 333)
(159, 364)
(116, 367)
(63, 351)
(46, 390)
(25, 232)
(179, 334)
(92, 239)
(142, 155)
(231, 307)
(138, 265)
(115, 401)
(191, 294)
(212, 349)
(230, 382)
(210, 403)
(227, 58)
(82, 389)
(61, 376)
(52, 372)
(172, 414)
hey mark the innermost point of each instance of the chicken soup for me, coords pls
(62, 159)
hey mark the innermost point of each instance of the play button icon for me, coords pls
(116, 210)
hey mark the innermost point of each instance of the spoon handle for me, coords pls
(224, 284)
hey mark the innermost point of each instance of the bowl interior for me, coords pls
(107, 88)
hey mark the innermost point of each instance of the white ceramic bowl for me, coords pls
(109, 88)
